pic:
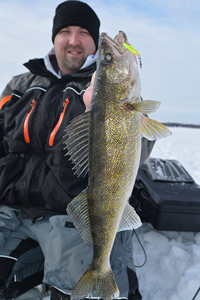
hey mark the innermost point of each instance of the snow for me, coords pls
(172, 269)
(183, 146)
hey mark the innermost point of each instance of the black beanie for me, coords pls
(76, 13)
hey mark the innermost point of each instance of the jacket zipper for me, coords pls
(53, 133)
(26, 133)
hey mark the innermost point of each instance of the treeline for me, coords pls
(171, 124)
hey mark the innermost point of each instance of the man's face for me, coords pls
(72, 46)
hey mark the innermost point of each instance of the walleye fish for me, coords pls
(107, 142)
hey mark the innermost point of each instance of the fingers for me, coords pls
(93, 78)
(87, 96)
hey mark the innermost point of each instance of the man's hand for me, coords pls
(87, 96)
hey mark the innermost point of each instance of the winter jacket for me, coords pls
(35, 108)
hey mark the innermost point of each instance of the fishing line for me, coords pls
(145, 260)
(140, 61)
(196, 293)
(140, 71)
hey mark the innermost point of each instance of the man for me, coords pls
(38, 242)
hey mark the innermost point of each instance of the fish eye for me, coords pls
(108, 57)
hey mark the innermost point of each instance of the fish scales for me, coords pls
(116, 163)
(116, 122)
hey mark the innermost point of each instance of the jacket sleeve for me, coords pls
(4, 99)
(5, 96)
(18, 84)
(146, 149)
(6, 92)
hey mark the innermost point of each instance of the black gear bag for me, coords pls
(166, 196)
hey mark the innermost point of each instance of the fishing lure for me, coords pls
(132, 49)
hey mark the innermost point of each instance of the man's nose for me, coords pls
(74, 39)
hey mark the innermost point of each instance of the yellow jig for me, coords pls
(131, 49)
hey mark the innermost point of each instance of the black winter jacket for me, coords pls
(35, 109)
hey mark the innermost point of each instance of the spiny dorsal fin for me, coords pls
(77, 142)
(77, 210)
(130, 219)
(153, 130)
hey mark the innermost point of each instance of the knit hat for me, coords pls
(76, 13)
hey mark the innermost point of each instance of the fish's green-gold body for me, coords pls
(109, 146)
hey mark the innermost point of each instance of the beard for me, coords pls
(73, 64)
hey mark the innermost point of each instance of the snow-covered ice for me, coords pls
(172, 269)
(182, 145)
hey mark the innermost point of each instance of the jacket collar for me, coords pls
(48, 66)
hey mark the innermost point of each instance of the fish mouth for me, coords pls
(117, 42)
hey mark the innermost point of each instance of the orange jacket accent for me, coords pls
(53, 133)
(26, 133)
(4, 100)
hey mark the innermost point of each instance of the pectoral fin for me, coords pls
(152, 129)
(146, 106)
(130, 219)
(77, 210)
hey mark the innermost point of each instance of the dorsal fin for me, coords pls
(77, 142)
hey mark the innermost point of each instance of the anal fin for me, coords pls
(130, 219)
(77, 210)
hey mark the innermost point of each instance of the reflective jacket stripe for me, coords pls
(10, 257)
(4, 100)
(53, 133)
(26, 133)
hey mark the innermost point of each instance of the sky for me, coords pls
(166, 34)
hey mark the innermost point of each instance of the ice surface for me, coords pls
(172, 270)
(182, 145)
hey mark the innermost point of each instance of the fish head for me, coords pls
(117, 70)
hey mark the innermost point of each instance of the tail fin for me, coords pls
(93, 282)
